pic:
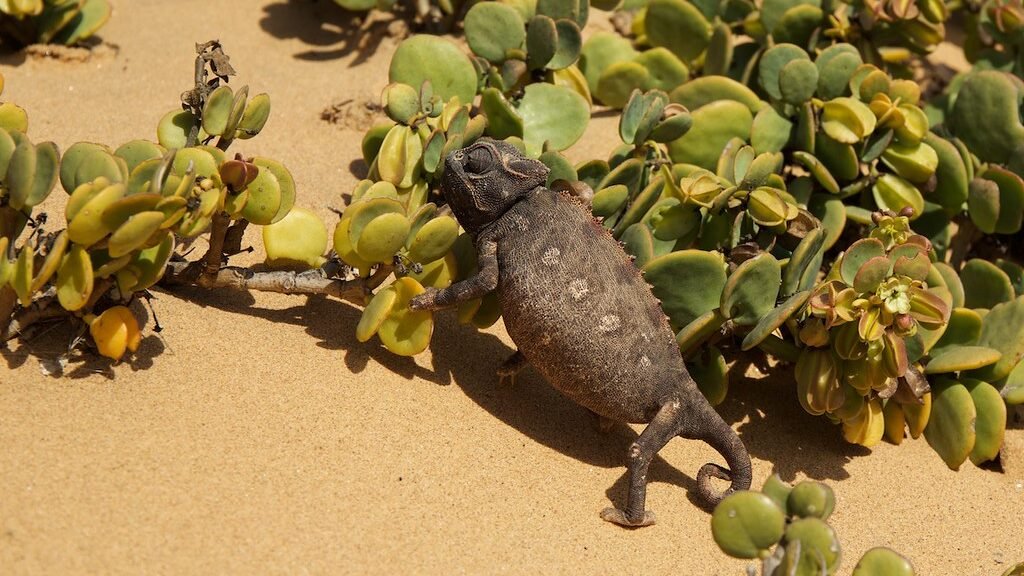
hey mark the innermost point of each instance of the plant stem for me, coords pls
(43, 309)
(357, 290)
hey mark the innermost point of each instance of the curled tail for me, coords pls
(712, 429)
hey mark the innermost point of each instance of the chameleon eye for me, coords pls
(478, 161)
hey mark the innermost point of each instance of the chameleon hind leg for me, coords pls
(511, 367)
(661, 429)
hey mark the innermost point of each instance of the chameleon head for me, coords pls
(484, 180)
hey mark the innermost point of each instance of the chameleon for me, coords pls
(580, 313)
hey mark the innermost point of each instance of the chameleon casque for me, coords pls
(580, 313)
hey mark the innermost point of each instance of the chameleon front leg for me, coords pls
(662, 428)
(485, 281)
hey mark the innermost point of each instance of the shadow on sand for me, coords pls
(330, 31)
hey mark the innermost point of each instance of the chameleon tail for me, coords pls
(724, 439)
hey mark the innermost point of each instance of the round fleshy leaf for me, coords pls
(424, 57)
(751, 290)
(819, 547)
(264, 198)
(776, 489)
(961, 358)
(618, 81)
(150, 263)
(770, 131)
(950, 429)
(502, 120)
(382, 237)
(883, 562)
(774, 319)
(134, 233)
(992, 134)
(711, 373)
(1002, 328)
(770, 67)
(798, 80)
(871, 274)
(664, 69)
(802, 270)
(552, 114)
(434, 239)
(375, 313)
(401, 102)
(492, 29)
(985, 285)
(406, 332)
(298, 238)
(810, 499)
(915, 162)
(689, 283)
(74, 279)
(707, 89)
(894, 193)
(285, 182)
(599, 52)
(173, 129)
(541, 41)
(714, 125)
(1011, 199)
(678, 26)
(836, 64)
(847, 120)
(747, 524)
(950, 174)
(697, 331)
(990, 425)
(1013, 389)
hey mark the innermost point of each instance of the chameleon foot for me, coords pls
(616, 516)
(508, 370)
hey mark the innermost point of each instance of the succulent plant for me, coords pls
(128, 208)
(68, 22)
(786, 528)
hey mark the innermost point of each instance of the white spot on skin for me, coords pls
(520, 223)
(578, 289)
(550, 257)
(645, 362)
(609, 323)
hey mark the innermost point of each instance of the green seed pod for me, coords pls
(766, 207)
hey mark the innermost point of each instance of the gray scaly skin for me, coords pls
(580, 313)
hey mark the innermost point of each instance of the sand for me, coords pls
(255, 435)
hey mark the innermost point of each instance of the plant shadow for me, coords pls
(775, 428)
(330, 31)
(61, 348)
